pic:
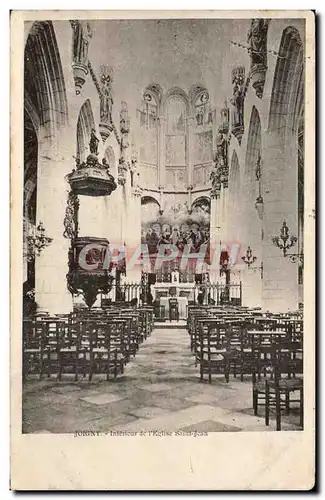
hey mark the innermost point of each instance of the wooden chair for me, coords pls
(213, 350)
(72, 351)
(105, 353)
(278, 384)
(33, 347)
(53, 331)
(278, 394)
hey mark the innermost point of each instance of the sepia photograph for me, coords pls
(163, 212)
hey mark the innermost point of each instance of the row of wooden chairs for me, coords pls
(268, 348)
(84, 343)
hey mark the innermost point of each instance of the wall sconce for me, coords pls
(284, 241)
(259, 203)
(296, 258)
(37, 242)
(249, 259)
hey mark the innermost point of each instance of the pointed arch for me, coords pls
(85, 124)
(288, 85)
(253, 145)
(110, 157)
(234, 175)
(203, 202)
(176, 93)
(44, 86)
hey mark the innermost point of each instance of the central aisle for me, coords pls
(160, 390)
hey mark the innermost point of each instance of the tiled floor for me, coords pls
(160, 390)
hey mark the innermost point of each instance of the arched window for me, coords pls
(253, 148)
(175, 132)
(147, 117)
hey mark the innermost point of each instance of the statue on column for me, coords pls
(237, 100)
(221, 153)
(257, 39)
(82, 34)
(106, 99)
(124, 129)
(221, 171)
(216, 183)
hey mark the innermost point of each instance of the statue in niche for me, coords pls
(257, 39)
(82, 33)
(106, 99)
(93, 144)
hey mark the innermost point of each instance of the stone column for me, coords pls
(134, 233)
(280, 287)
(92, 210)
(189, 197)
(215, 238)
(190, 151)
(161, 149)
(55, 161)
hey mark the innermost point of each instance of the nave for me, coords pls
(160, 390)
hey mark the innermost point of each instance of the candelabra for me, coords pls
(249, 259)
(37, 242)
(285, 241)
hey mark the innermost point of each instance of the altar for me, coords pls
(183, 292)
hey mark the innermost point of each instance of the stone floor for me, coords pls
(160, 391)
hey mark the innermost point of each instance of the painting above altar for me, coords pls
(176, 225)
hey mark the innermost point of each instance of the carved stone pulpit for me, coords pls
(89, 262)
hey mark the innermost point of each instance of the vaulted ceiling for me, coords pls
(171, 52)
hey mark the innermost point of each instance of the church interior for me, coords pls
(163, 225)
